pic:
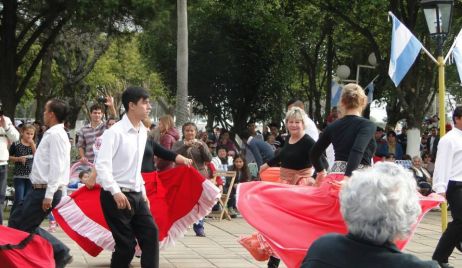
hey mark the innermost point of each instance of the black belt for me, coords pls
(127, 190)
(42, 186)
(455, 183)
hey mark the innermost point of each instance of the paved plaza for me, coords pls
(220, 249)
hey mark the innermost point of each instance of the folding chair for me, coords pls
(223, 200)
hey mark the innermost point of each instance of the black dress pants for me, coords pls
(453, 234)
(126, 226)
(28, 215)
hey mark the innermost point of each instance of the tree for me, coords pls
(121, 66)
(76, 53)
(181, 110)
(239, 66)
(28, 24)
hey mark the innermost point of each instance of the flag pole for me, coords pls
(430, 55)
(452, 47)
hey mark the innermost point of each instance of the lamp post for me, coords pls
(438, 14)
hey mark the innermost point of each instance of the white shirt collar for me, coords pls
(127, 125)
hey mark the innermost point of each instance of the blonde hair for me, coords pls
(295, 113)
(353, 97)
(167, 121)
(147, 122)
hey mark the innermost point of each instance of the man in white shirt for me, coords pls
(123, 199)
(447, 181)
(50, 172)
(8, 134)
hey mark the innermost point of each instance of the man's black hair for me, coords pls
(59, 108)
(245, 135)
(457, 113)
(95, 107)
(222, 147)
(276, 125)
(133, 94)
(292, 101)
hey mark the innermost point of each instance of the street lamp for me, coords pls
(438, 14)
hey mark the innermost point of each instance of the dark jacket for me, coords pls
(434, 148)
(345, 251)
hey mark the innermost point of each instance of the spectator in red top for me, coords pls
(333, 115)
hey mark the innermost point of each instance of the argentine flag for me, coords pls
(370, 92)
(457, 54)
(336, 91)
(404, 50)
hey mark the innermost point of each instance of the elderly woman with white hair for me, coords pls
(380, 205)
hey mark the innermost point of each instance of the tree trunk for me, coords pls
(181, 110)
(44, 85)
(413, 142)
(210, 119)
(8, 46)
(329, 63)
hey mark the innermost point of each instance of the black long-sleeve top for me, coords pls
(294, 156)
(353, 140)
(153, 148)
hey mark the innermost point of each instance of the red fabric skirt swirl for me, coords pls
(290, 218)
(19, 249)
(178, 197)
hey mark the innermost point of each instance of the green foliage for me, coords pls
(241, 58)
(122, 66)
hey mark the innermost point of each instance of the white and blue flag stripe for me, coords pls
(457, 54)
(370, 92)
(336, 91)
(404, 50)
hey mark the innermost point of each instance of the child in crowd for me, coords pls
(22, 154)
(242, 175)
(84, 176)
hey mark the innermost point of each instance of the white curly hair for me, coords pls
(380, 204)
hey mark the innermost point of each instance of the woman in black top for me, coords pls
(290, 218)
(352, 136)
(294, 158)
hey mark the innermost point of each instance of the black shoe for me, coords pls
(273, 262)
(200, 234)
(459, 246)
(67, 260)
(445, 265)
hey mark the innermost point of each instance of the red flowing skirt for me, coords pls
(290, 218)
(37, 252)
(178, 197)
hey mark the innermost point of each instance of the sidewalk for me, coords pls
(220, 249)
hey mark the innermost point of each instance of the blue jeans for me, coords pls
(3, 172)
(21, 188)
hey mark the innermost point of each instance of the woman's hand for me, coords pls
(320, 177)
(263, 167)
(181, 160)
